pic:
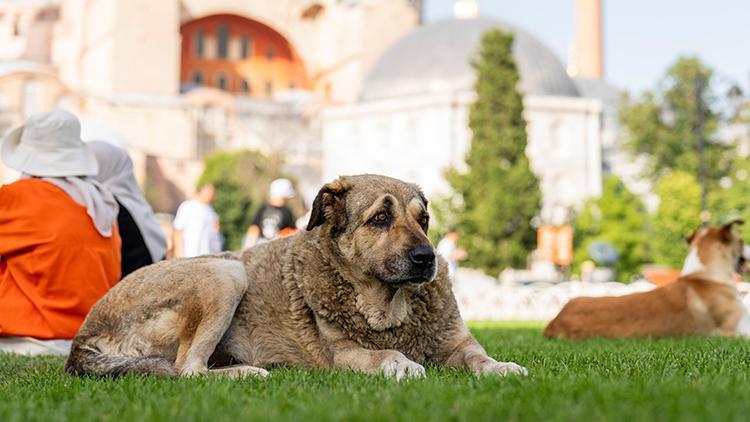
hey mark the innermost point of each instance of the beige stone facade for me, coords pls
(117, 65)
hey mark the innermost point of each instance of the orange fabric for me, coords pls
(54, 265)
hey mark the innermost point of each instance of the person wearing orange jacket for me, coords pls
(59, 244)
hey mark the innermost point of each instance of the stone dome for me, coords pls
(436, 58)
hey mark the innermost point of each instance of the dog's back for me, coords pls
(672, 310)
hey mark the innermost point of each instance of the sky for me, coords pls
(641, 37)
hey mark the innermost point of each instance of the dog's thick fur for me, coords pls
(704, 301)
(360, 289)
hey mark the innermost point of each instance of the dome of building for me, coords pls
(436, 58)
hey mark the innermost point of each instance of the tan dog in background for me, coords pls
(704, 301)
(361, 289)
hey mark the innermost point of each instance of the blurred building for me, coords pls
(177, 79)
(411, 117)
(336, 86)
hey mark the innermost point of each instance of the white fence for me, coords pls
(481, 297)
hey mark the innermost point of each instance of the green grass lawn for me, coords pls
(634, 380)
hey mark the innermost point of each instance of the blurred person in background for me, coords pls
(143, 241)
(274, 218)
(449, 250)
(59, 244)
(196, 225)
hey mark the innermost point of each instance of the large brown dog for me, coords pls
(361, 289)
(704, 301)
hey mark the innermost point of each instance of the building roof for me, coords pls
(599, 89)
(437, 58)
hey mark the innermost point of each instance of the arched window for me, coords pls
(222, 81)
(197, 77)
(222, 34)
(246, 87)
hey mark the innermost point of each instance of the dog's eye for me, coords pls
(380, 218)
(424, 220)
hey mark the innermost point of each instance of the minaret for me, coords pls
(465, 9)
(589, 57)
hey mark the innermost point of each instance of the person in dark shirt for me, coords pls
(274, 219)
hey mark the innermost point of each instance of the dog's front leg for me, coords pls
(390, 363)
(468, 353)
(348, 354)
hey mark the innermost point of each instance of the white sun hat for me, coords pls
(49, 145)
(281, 188)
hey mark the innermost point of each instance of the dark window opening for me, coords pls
(222, 82)
(197, 78)
(245, 86)
(198, 44)
(269, 88)
(245, 47)
(223, 36)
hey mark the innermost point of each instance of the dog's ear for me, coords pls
(329, 204)
(689, 238)
(422, 197)
(726, 229)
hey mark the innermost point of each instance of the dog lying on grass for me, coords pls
(703, 301)
(361, 289)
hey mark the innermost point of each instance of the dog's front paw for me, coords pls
(493, 367)
(240, 371)
(400, 367)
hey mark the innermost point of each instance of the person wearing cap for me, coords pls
(274, 218)
(59, 243)
(143, 241)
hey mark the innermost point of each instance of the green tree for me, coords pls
(617, 217)
(662, 124)
(732, 199)
(498, 195)
(241, 179)
(676, 217)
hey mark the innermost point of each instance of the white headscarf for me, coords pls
(116, 174)
(49, 147)
(100, 204)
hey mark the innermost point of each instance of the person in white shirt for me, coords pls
(448, 249)
(196, 225)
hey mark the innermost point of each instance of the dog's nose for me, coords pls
(422, 256)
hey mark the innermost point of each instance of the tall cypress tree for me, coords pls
(499, 193)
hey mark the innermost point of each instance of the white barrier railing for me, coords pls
(481, 297)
